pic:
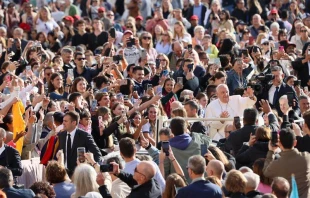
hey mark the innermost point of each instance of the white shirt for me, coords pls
(309, 66)
(47, 26)
(234, 107)
(72, 138)
(271, 92)
(2, 149)
(120, 189)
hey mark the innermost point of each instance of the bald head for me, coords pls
(280, 187)
(2, 133)
(177, 48)
(175, 105)
(228, 129)
(147, 168)
(215, 168)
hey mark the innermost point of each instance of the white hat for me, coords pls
(264, 41)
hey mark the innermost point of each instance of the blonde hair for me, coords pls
(183, 31)
(255, 3)
(84, 179)
(260, 37)
(49, 16)
(146, 34)
(170, 35)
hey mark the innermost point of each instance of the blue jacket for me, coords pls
(200, 189)
(88, 73)
(18, 193)
(234, 82)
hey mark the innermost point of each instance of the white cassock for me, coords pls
(234, 107)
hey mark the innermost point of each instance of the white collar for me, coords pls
(72, 133)
(2, 147)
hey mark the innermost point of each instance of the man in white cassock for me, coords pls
(227, 107)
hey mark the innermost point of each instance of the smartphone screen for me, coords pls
(157, 63)
(251, 40)
(93, 105)
(100, 120)
(203, 149)
(245, 52)
(281, 48)
(180, 80)
(165, 146)
(297, 83)
(165, 73)
(119, 96)
(149, 86)
(106, 168)
(80, 153)
(237, 122)
(190, 48)
(70, 73)
(290, 98)
(274, 138)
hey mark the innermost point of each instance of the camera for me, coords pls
(117, 58)
(258, 82)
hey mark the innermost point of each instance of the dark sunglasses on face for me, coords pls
(265, 43)
(129, 27)
(146, 38)
(79, 59)
(303, 30)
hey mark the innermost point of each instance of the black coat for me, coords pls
(81, 139)
(303, 71)
(150, 189)
(284, 89)
(254, 194)
(303, 143)
(235, 140)
(248, 155)
(190, 13)
(10, 159)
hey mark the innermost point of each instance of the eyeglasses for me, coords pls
(80, 59)
(129, 27)
(146, 38)
(48, 74)
(303, 30)
(265, 43)
(136, 171)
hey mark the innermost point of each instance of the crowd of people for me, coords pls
(84, 84)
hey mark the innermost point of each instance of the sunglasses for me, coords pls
(48, 74)
(146, 38)
(136, 171)
(129, 27)
(80, 59)
(265, 43)
(303, 30)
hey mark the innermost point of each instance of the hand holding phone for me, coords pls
(274, 138)
(81, 154)
(165, 146)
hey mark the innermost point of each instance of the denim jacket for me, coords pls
(233, 80)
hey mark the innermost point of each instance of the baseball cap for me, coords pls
(101, 9)
(194, 17)
(274, 11)
(139, 18)
(69, 18)
(264, 41)
(127, 32)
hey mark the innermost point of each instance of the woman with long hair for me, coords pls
(158, 33)
(45, 23)
(146, 42)
(304, 37)
(294, 12)
(164, 62)
(55, 87)
(53, 43)
(149, 129)
(282, 35)
(180, 33)
(212, 16)
(166, 8)
(84, 179)
(225, 22)
(254, 7)
(295, 32)
(173, 182)
(131, 25)
(227, 159)
(218, 78)
(80, 85)
(165, 43)
(169, 91)
(68, 34)
(42, 38)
